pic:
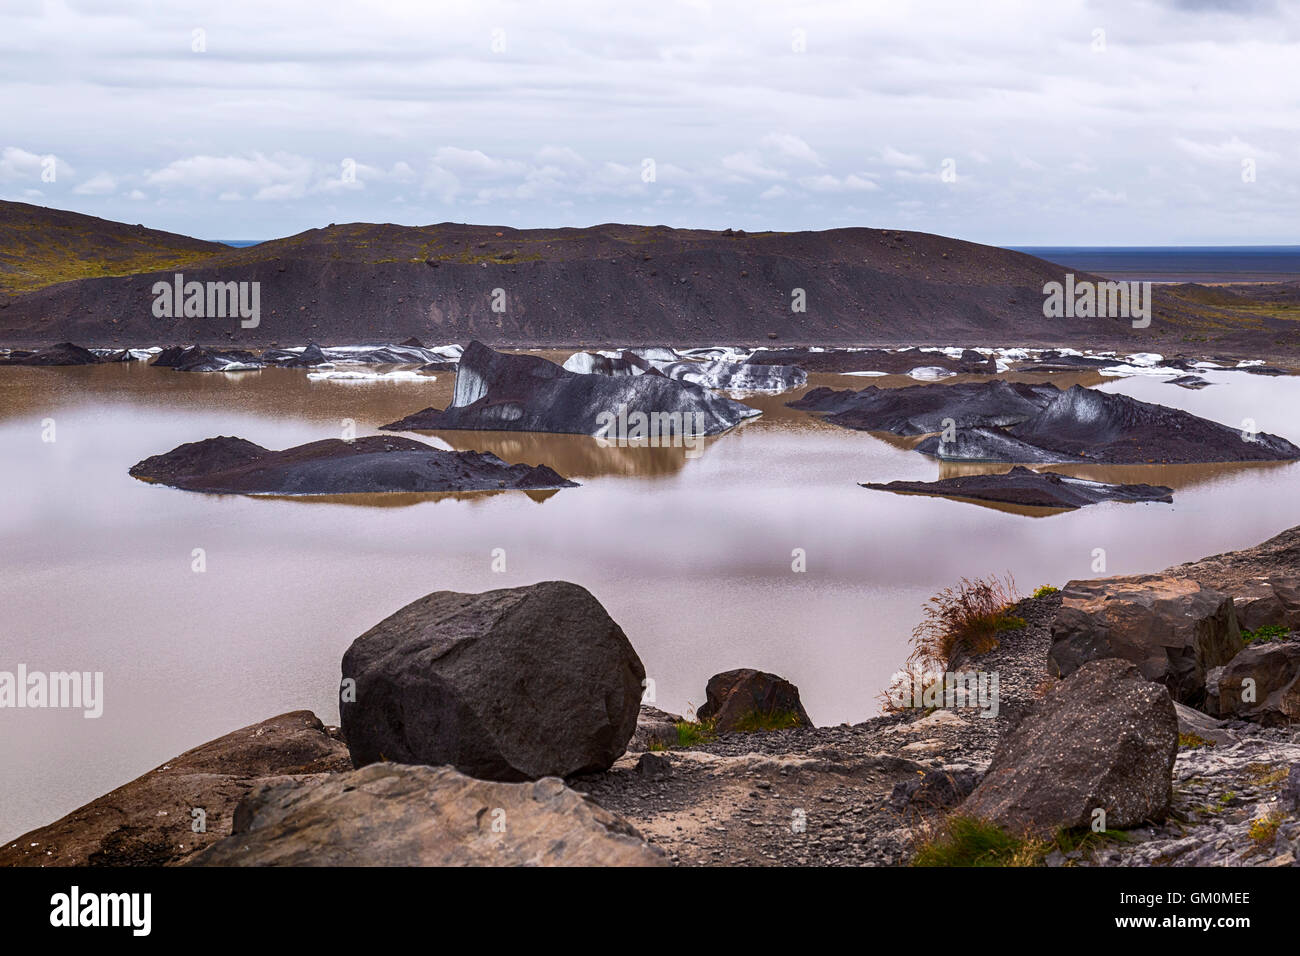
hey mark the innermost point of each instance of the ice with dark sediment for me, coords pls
(503, 392)
(1086, 425)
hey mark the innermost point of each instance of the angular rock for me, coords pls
(1193, 722)
(394, 815)
(1274, 697)
(732, 696)
(499, 392)
(1021, 486)
(370, 465)
(935, 790)
(1173, 629)
(149, 821)
(1104, 738)
(513, 684)
(654, 728)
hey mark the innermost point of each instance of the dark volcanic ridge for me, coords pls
(370, 465)
(500, 392)
(611, 283)
(1035, 489)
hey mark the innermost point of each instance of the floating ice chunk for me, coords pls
(930, 373)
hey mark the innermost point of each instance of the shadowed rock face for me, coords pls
(1104, 738)
(499, 392)
(393, 815)
(1173, 629)
(65, 353)
(335, 467)
(512, 684)
(1274, 696)
(1085, 425)
(921, 409)
(1022, 486)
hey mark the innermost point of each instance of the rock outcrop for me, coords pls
(1262, 684)
(394, 815)
(1022, 486)
(1171, 628)
(1105, 738)
(496, 391)
(370, 465)
(513, 684)
(152, 821)
(734, 697)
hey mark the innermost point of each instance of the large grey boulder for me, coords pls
(1262, 684)
(1172, 629)
(514, 684)
(397, 815)
(1104, 738)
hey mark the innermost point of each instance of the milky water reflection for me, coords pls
(692, 556)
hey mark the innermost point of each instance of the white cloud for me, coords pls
(101, 184)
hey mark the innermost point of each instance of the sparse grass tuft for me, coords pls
(1193, 741)
(1263, 829)
(1262, 635)
(1265, 774)
(1045, 590)
(964, 619)
(756, 721)
(967, 841)
(692, 732)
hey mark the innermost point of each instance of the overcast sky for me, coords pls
(1066, 122)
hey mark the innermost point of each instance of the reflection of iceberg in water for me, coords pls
(403, 499)
(578, 455)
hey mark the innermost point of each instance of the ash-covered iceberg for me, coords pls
(496, 391)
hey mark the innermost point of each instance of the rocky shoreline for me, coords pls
(1062, 740)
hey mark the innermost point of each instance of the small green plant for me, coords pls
(756, 721)
(1045, 590)
(1266, 774)
(692, 732)
(1193, 741)
(966, 841)
(1263, 829)
(1265, 633)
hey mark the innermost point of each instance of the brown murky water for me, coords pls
(692, 556)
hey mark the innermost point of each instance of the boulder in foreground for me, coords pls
(496, 391)
(1172, 629)
(371, 465)
(1023, 486)
(1104, 738)
(394, 815)
(514, 684)
(149, 821)
(736, 698)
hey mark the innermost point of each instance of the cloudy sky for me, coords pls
(1066, 122)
